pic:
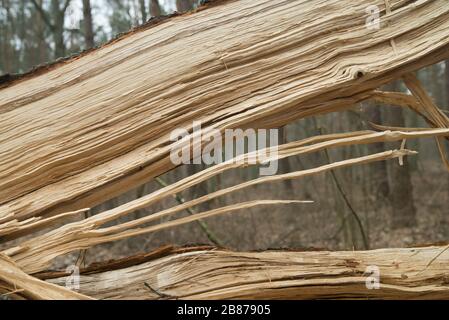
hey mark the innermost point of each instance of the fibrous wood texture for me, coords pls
(16, 282)
(411, 273)
(36, 254)
(95, 126)
(98, 125)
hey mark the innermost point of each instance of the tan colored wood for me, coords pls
(219, 274)
(95, 126)
(14, 280)
(35, 255)
(15, 228)
(98, 125)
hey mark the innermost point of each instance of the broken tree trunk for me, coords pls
(413, 273)
(35, 255)
(83, 130)
(89, 128)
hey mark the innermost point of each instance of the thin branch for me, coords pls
(433, 112)
(287, 150)
(84, 234)
(43, 15)
(66, 5)
(209, 233)
(348, 203)
(345, 198)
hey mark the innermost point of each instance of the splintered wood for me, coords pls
(36, 254)
(218, 274)
(102, 122)
(15, 282)
(85, 130)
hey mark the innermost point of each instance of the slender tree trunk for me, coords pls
(284, 164)
(143, 11)
(88, 25)
(379, 173)
(155, 9)
(401, 188)
(23, 63)
(58, 28)
(41, 45)
(184, 5)
(7, 50)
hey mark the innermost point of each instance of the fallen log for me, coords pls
(412, 273)
(94, 126)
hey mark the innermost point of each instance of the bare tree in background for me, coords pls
(143, 10)
(88, 24)
(7, 55)
(378, 172)
(58, 14)
(284, 164)
(155, 8)
(184, 5)
(41, 44)
(401, 188)
(55, 22)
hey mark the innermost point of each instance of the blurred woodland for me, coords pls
(370, 206)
